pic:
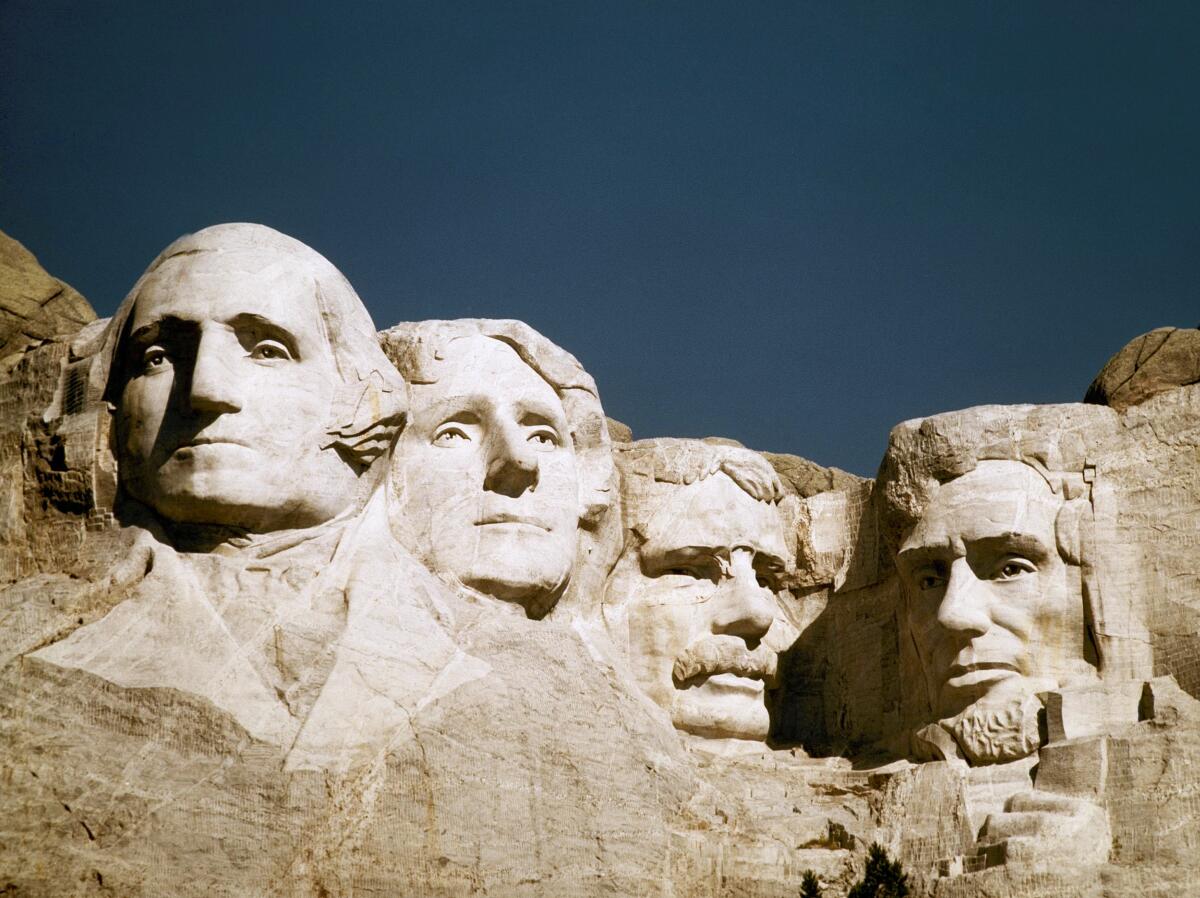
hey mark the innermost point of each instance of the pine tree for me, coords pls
(809, 887)
(882, 878)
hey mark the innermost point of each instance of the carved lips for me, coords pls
(200, 446)
(513, 518)
(203, 440)
(980, 672)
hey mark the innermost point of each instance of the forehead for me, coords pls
(482, 367)
(210, 286)
(711, 513)
(998, 498)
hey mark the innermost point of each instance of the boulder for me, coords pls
(1165, 358)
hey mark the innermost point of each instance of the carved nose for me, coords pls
(964, 605)
(512, 465)
(741, 606)
(215, 386)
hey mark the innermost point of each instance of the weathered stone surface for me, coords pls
(257, 638)
(620, 433)
(1165, 358)
(1092, 710)
(43, 496)
(33, 305)
(807, 478)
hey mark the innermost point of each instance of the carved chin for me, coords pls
(514, 563)
(520, 585)
(723, 710)
(207, 498)
(233, 485)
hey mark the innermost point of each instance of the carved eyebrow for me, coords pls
(530, 418)
(175, 333)
(459, 416)
(148, 333)
(456, 408)
(765, 562)
(1012, 543)
(909, 560)
(762, 557)
(167, 326)
(655, 562)
(262, 326)
(677, 553)
(535, 411)
(768, 561)
(920, 553)
(690, 551)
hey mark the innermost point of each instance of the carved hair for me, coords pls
(646, 463)
(925, 453)
(369, 408)
(418, 347)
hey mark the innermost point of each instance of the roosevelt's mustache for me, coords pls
(725, 654)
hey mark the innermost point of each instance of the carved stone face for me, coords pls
(698, 600)
(228, 386)
(486, 477)
(993, 609)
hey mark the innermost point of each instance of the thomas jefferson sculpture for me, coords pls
(502, 477)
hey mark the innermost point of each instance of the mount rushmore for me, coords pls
(293, 606)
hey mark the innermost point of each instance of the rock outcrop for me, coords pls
(1165, 358)
(33, 305)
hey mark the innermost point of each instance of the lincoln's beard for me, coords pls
(1003, 725)
(997, 733)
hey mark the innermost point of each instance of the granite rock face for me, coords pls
(291, 607)
(40, 528)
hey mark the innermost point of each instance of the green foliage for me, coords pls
(882, 878)
(809, 887)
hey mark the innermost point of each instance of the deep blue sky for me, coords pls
(791, 224)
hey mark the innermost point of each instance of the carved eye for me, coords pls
(700, 568)
(768, 581)
(451, 436)
(270, 351)
(1014, 568)
(154, 357)
(927, 580)
(544, 438)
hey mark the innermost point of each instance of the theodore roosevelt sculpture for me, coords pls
(503, 472)
(693, 593)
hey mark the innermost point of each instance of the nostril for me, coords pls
(511, 477)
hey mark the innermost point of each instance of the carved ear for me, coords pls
(596, 494)
(368, 416)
